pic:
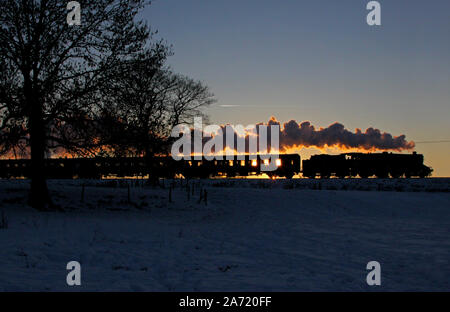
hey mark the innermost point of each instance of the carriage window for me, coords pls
(254, 163)
(242, 163)
(278, 162)
(231, 163)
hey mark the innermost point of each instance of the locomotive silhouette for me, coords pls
(381, 165)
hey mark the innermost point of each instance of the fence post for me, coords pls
(201, 196)
(82, 193)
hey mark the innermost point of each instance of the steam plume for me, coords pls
(298, 134)
(295, 134)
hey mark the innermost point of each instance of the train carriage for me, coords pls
(287, 165)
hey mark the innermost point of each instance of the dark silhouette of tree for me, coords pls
(52, 74)
(140, 109)
(12, 121)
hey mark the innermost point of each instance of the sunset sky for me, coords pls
(318, 60)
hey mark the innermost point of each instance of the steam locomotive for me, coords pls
(381, 165)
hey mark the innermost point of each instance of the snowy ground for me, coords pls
(253, 235)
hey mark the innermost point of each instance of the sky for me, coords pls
(319, 61)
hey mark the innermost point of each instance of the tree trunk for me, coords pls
(39, 195)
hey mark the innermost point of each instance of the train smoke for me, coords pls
(304, 134)
(295, 134)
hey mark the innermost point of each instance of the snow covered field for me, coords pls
(253, 235)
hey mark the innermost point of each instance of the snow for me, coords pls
(253, 235)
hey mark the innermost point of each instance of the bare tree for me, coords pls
(143, 107)
(12, 121)
(52, 72)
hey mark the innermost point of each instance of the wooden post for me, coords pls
(201, 196)
(82, 193)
